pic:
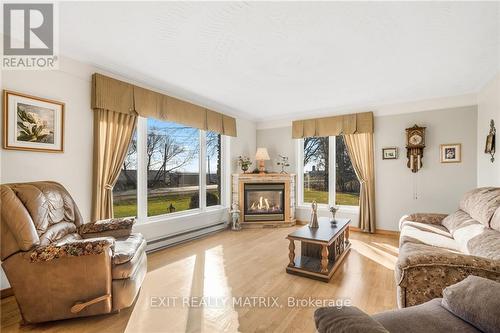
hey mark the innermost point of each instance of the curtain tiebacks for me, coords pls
(108, 187)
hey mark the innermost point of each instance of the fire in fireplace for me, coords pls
(264, 202)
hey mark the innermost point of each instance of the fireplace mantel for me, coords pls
(287, 218)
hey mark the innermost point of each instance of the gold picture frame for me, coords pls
(451, 153)
(32, 123)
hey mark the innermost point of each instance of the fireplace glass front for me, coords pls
(264, 202)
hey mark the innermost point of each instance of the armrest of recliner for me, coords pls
(76, 248)
(62, 281)
(429, 218)
(116, 227)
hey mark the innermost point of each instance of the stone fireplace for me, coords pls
(265, 200)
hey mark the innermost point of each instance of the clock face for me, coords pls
(415, 139)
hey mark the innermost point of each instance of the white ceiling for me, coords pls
(265, 60)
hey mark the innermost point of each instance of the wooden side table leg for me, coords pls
(291, 253)
(324, 259)
(347, 235)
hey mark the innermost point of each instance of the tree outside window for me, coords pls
(317, 169)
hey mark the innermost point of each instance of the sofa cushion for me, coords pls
(486, 244)
(434, 228)
(127, 247)
(475, 300)
(465, 234)
(411, 234)
(346, 319)
(481, 203)
(429, 317)
(495, 220)
(458, 220)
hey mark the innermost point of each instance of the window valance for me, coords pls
(331, 126)
(123, 97)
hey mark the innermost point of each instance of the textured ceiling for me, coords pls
(274, 60)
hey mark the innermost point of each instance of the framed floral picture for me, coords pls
(451, 153)
(32, 123)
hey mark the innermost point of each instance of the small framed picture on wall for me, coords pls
(32, 123)
(451, 153)
(390, 153)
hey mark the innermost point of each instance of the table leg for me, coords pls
(291, 253)
(324, 259)
(347, 235)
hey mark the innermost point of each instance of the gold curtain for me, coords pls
(123, 97)
(332, 126)
(360, 149)
(112, 135)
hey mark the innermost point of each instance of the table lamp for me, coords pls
(261, 155)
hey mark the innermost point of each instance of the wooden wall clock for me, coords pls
(415, 144)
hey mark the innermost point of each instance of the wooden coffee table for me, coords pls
(322, 249)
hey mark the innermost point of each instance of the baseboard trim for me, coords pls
(7, 292)
(378, 231)
(172, 240)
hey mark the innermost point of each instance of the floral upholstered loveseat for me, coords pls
(438, 250)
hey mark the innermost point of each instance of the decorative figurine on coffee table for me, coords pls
(314, 215)
(235, 215)
(333, 212)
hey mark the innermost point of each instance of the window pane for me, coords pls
(173, 167)
(125, 190)
(213, 168)
(347, 184)
(316, 169)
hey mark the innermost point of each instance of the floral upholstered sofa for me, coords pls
(438, 250)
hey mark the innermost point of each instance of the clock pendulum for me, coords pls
(415, 144)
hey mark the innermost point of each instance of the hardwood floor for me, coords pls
(237, 264)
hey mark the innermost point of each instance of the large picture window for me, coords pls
(173, 164)
(316, 169)
(176, 164)
(327, 176)
(125, 190)
(213, 171)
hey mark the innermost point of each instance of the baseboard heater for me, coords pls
(186, 236)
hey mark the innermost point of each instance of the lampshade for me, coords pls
(261, 154)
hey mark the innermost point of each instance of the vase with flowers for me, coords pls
(244, 163)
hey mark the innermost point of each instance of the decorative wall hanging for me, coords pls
(451, 153)
(415, 144)
(390, 153)
(32, 123)
(490, 141)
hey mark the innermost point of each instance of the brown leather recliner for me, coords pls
(58, 266)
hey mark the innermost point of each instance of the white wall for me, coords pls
(488, 100)
(73, 168)
(71, 84)
(439, 186)
(243, 144)
(278, 141)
